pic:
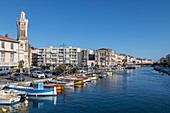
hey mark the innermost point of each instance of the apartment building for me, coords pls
(105, 57)
(55, 56)
(87, 58)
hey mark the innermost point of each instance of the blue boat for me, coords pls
(37, 89)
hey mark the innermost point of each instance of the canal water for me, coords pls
(142, 90)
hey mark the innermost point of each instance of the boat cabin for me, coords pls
(38, 85)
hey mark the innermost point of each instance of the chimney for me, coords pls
(6, 35)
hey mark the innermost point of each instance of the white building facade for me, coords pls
(8, 51)
(55, 56)
(14, 50)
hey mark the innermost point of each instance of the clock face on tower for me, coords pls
(22, 26)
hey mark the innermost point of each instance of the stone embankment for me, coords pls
(162, 69)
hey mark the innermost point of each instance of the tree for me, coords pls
(124, 61)
(21, 64)
(61, 68)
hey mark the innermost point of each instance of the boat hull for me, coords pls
(33, 91)
(58, 87)
(9, 100)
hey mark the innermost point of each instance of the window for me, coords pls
(11, 57)
(22, 32)
(25, 56)
(12, 45)
(2, 57)
(26, 47)
(2, 44)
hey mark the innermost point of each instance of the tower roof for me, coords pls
(22, 14)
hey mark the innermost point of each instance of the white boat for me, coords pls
(20, 93)
(86, 80)
(93, 77)
(9, 99)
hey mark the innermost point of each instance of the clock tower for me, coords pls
(22, 37)
(22, 24)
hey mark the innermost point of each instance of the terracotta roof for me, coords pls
(6, 38)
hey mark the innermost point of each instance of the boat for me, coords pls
(58, 86)
(78, 82)
(75, 81)
(130, 67)
(102, 75)
(23, 94)
(8, 99)
(93, 77)
(36, 89)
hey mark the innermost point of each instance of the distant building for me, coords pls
(165, 60)
(120, 58)
(87, 58)
(168, 59)
(105, 57)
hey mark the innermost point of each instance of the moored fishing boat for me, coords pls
(9, 99)
(78, 82)
(58, 86)
(86, 79)
(23, 94)
(93, 77)
(36, 89)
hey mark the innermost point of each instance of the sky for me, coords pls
(140, 28)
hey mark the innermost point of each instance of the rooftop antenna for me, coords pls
(22, 5)
(63, 45)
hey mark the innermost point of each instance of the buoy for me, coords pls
(3, 110)
(26, 101)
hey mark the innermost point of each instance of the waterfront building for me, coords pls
(147, 61)
(14, 50)
(54, 56)
(120, 58)
(138, 61)
(105, 57)
(8, 51)
(130, 59)
(87, 58)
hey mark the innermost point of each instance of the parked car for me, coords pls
(17, 77)
(20, 77)
(38, 74)
(48, 73)
(4, 70)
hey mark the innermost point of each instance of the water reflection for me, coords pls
(39, 102)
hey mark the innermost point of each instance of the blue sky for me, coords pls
(135, 27)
